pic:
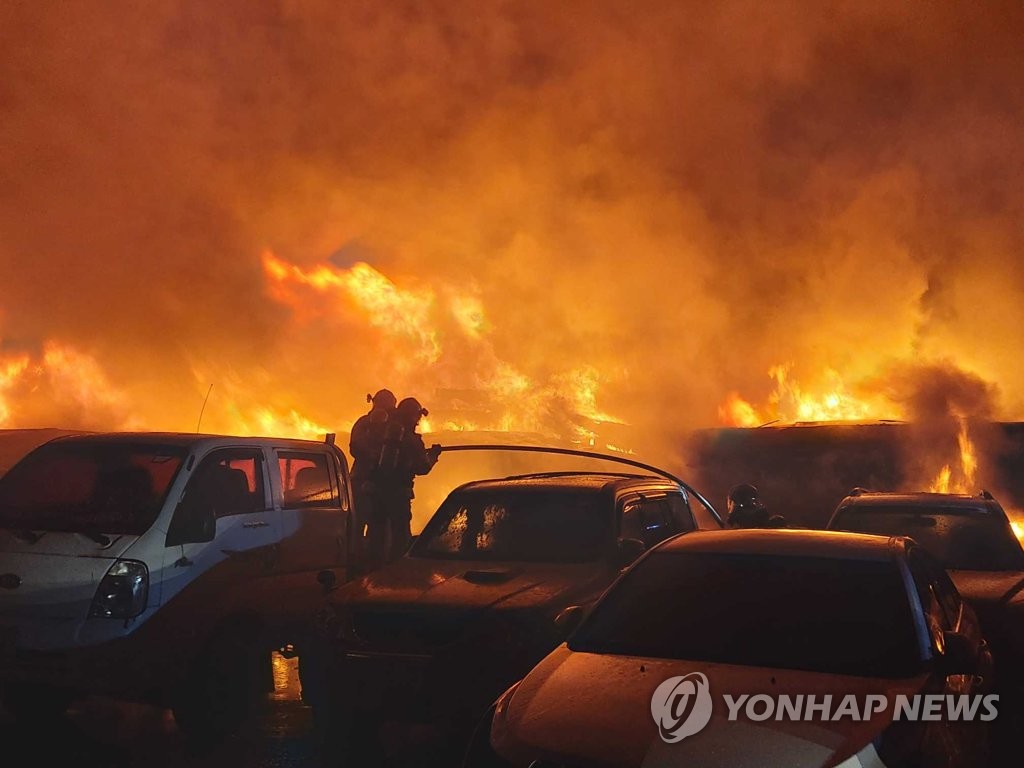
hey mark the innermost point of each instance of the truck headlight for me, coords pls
(123, 592)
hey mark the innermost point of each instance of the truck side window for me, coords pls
(306, 480)
(226, 482)
(230, 482)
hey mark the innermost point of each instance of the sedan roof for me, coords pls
(926, 503)
(788, 543)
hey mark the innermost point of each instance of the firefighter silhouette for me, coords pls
(403, 456)
(365, 447)
(746, 510)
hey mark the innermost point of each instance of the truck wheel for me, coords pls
(220, 692)
(36, 703)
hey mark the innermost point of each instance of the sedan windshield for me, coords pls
(88, 487)
(961, 539)
(838, 616)
(523, 524)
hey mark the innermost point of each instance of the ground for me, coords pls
(98, 733)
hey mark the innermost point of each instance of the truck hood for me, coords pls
(55, 577)
(593, 710)
(473, 585)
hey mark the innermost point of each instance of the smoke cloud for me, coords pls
(533, 216)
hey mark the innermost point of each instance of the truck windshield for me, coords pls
(89, 487)
(829, 615)
(524, 525)
(960, 539)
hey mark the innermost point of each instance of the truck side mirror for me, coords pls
(327, 580)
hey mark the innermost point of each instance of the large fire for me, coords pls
(525, 214)
(446, 329)
(832, 401)
(792, 402)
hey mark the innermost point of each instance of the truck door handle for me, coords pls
(255, 524)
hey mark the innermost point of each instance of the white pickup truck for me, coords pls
(164, 568)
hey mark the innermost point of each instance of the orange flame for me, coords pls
(790, 401)
(737, 412)
(63, 380)
(447, 328)
(402, 312)
(941, 482)
(10, 371)
(964, 479)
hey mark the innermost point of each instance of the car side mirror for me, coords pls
(627, 551)
(958, 657)
(568, 619)
(191, 524)
(327, 580)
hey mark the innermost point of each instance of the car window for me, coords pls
(89, 486)
(939, 597)
(702, 514)
(525, 525)
(680, 512)
(306, 480)
(820, 614)
(959, 538)
(230, 482)
(648, 520)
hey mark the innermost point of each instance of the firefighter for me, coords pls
(746, 510)
(402, 457)
(365, 447)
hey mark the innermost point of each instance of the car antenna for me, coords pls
(201, 410)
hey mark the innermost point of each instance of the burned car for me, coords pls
(434, 637)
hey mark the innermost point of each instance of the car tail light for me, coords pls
(123, 592)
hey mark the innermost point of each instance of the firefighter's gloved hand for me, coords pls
(434, 451)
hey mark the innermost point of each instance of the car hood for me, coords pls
(990, 587)
(423, 583)
(595, 710)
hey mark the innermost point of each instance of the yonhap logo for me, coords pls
(681, 706)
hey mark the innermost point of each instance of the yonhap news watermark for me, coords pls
(682, 706)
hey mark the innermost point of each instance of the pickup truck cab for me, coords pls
(164, 568)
